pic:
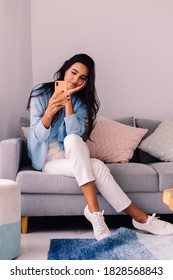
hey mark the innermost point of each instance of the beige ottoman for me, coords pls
(10, 219)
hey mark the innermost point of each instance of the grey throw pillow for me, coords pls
(160, 143)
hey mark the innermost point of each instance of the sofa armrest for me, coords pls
(10, 158)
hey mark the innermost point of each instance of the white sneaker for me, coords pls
(99, 226)
(154, 226)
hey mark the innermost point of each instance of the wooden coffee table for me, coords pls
(168, 198)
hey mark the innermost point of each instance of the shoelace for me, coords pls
(99, 218)
(155, 221)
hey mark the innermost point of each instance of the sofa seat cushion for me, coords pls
(132, 177)
(39, 182)
(135, 177)
(165, 174)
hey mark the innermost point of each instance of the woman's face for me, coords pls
(76, 75)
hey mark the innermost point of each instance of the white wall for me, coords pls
(15, 64)
(130, 40)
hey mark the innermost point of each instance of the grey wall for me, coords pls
(15, 64)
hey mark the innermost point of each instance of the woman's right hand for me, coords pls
(56, 102)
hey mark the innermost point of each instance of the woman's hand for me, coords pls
(56, 102)
(77, 89)
(69, 106)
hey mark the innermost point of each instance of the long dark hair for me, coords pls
(88, 95)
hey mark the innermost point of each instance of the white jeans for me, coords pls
(75, 161)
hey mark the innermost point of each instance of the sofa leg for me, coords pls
(24, 222)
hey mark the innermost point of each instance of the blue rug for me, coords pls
(123, 244)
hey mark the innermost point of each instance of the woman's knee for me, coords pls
(73, 142)
(72, 139)
(99, 168)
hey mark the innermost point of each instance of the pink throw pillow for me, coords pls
(114, 141)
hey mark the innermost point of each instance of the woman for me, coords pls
(59, 121)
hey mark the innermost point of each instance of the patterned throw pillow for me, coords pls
(160, 143)
(112, 141)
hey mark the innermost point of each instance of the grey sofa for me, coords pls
(143, 179)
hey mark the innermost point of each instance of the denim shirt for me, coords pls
(40, 137)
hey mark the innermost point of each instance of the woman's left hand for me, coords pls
(77, 89)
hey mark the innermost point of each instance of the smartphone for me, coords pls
(60, 86)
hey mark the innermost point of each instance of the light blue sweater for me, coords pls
(40, 137)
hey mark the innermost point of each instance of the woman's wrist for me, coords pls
(69, 107)
(46, 119)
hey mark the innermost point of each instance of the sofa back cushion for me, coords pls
(151, 125)
(138, 156)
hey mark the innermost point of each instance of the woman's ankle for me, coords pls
(137, 214)
(93, 208)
